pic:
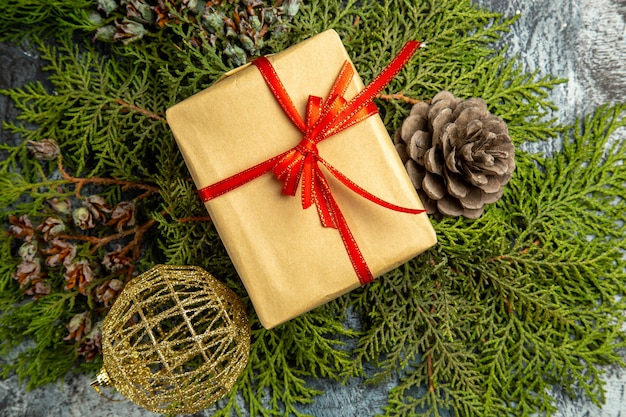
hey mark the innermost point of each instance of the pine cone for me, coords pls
(457, 154)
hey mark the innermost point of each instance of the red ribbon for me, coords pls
(324, 118)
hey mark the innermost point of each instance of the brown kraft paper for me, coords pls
(287, 261)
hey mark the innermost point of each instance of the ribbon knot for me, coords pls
(291, 166)
(301, 164)
(307, 146)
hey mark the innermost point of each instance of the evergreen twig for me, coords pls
(399, 96)
(81, 182)
(145, 112)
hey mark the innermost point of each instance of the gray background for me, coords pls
(582, 40)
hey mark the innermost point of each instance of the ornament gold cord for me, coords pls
(102, 380)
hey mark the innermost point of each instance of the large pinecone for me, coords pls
(457, 154)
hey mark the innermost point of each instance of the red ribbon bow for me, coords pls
(324, 118)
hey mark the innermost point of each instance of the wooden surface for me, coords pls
(582, 40)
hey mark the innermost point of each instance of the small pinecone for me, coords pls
(457, 154)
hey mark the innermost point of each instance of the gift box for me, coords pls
(288, 261)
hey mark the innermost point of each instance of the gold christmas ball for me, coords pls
(175, 341)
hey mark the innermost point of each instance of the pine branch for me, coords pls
(99, 242)
(145, 112)
(81, 182)
(195, 219)
(23, 18)
(398, 96)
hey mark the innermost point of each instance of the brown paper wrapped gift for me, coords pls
(287, 261)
